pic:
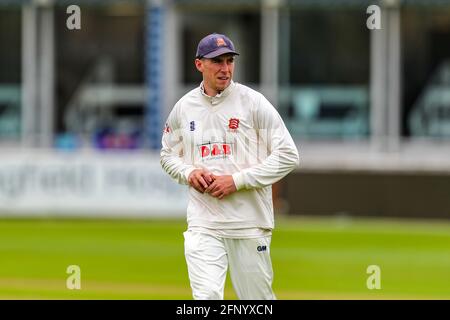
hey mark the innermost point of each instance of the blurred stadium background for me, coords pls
(82, 111)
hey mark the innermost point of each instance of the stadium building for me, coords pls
(369, 108)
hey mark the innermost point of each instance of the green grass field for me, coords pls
(143, 259)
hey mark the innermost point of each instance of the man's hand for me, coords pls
(221, 187)
(200, 179)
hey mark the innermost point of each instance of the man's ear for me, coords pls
(199, 64)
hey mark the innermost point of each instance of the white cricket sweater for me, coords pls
(239, 133)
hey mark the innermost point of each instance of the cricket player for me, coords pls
(229, 144)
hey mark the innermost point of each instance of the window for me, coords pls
(426, 72)
(10, 77)
(324, 73)
(100, 77)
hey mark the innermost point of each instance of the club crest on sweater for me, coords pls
(233, 124)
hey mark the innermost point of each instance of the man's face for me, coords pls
(217, 72)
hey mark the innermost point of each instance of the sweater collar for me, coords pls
(220, 96)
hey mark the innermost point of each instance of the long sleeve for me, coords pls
(171, 156)
(283, 155)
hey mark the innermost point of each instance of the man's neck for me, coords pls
(211, 92)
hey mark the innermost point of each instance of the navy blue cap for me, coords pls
(214, 45)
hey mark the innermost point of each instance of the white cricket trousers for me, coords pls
(208, 258)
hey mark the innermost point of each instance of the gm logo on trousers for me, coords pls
(261, 248)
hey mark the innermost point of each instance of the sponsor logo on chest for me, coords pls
(215, 150)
